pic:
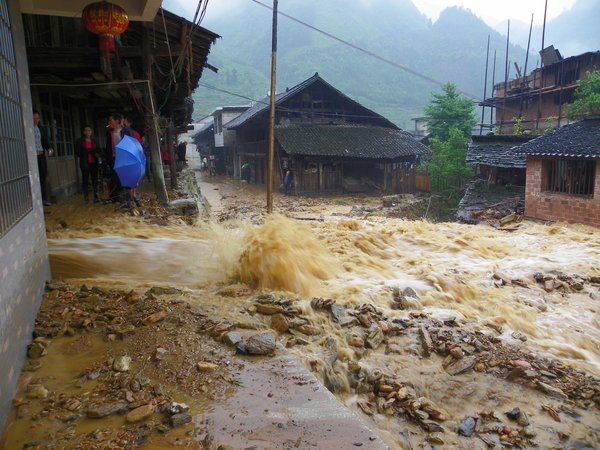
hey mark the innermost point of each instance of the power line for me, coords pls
(367, 52)
(294, 110)
(214, 88)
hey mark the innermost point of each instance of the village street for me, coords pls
(162, 329)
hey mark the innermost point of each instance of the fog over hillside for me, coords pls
(453, 48)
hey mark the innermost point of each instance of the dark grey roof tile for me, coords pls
(367, 142)
(577, 140)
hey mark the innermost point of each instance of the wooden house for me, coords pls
(563, 174)
(224, 139)
(330, 142)
(541, 97)
(153, 71)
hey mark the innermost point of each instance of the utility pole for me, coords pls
(271, 150)
(487, 59)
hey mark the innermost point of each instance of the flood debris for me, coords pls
(495, 205)
(457, 348)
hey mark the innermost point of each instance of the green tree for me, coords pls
(450, 110)
(587, 96)
(451, 118)
(447, 166)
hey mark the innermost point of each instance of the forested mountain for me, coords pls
(451, 49)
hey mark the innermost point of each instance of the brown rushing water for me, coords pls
(450, 266)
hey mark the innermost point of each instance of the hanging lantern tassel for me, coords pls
(106, 20)
(107, 43)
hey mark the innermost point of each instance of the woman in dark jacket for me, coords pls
(86, 149)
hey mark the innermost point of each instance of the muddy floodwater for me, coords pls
(523, 305)
(453, 268)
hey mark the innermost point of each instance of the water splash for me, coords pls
(283, 254)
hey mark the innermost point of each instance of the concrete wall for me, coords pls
(24, 265)
(554, 206)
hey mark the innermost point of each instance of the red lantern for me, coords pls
(107, 20)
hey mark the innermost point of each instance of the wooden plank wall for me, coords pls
(423, 182)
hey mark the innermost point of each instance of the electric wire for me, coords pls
(296, 110)
(363, 50)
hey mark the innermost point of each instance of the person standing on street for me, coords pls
(127, 125)
(181, 151)
(288, 182)
(43, 149)
(86, 149)
(114, 136)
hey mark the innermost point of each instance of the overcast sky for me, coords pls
(495, 11)
(492, 11)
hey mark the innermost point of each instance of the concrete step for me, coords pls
(280, 404)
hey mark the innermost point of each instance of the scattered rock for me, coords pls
(141, 413)
(177, 408)
(435, 438)
(36, 350)
(206, 367)
(341, 316)
(122, 363)
(177, 420)
(426, 341)
(459, 366)
(269, 309)
(374, 337)
(156, 317)
(551, 391)
(163, 291)
(457, 352)
(518, 335)
(261, 344)
(366, 408)
(279, 323)
(309, 330)
(232, 338)
(467, 427)
(356, 341)
(36, 390)
(108, 409)
(160, 353)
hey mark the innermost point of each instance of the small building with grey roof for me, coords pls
(563, 174)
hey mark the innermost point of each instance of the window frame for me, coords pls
(569, 176)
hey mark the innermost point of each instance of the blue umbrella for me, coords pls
(130, 162)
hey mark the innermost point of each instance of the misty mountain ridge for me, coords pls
(574, 32)
(453, 48)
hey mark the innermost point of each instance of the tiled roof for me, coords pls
(577, 140)
(348, 141)
(262, 106)
(204, 128)
(496, 151)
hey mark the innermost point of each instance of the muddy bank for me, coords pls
(165, 367)
(122, 369)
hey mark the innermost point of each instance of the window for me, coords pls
(57, 118)
(218, 124)
(15, 186)
(570, 176)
